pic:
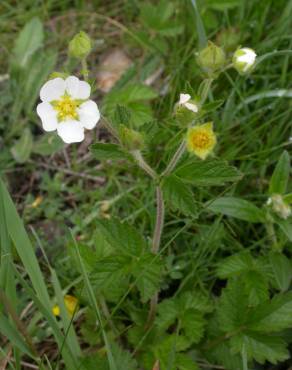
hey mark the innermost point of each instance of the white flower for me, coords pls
(184, 100)
(66, 108)
(244, 59)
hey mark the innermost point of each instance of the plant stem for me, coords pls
(174, 160)
(84, 69)
(155, 247)
(159, 220)
(109, 127)
(145, 166)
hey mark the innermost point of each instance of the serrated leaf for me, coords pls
(256, 287)
(282, 270)
(102, 151)
(28, 41)
(179, 195)
(238, 208)
(260, 347)
(48, 144)
(147, 275)
(193, 325)
(234, 265)
(286, 227)
(131, 97)
(122, 237)
(280, 177)
(21, 150)
(232, 306)
(272, 316)
(208, 172)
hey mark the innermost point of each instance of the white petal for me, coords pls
(48, 115)
(192, 107)
(71, 131)
(248, 57)
(88, 114)
(76, 88)
(52, 89)
(183, 98)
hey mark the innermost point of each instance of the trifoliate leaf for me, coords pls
(207, 172)
(238, 208)
(179, 196)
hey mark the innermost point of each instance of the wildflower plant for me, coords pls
(119, 300)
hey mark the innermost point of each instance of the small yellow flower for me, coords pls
(71, 304)
(201, 140)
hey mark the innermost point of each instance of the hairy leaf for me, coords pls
(238, 208)
(208, 172)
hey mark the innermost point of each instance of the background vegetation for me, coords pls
(224, 268)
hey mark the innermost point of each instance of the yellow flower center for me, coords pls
(66, 108)
(201, 140)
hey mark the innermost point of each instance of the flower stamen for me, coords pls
(66, 108)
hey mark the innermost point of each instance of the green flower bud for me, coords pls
(80, 46)
(131, 139)
(244, 60)
(211, 58)
(229, 38)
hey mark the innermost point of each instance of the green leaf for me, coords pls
(208, 172)
(280, 177)
(223, 5)
(286, 227)
(21, 150)
(147, 274)
(123, 237)
(272, 316)
(193, 325)
(179, 196)
(132, 97)
(232, 307)
(111, 276)
(282, 270)
(260, 347)
(234, 265)
(130, 260)
(102, 151)
(256, 287)
(48, 144)
(238, 208)
(9, 331)
(28, 41)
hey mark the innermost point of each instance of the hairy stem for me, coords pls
(159, 220)
(174, 160)
(155, 247)
(142, 164)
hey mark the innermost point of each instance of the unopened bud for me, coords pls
(80, 46)
(211, 58)
(244, 60)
